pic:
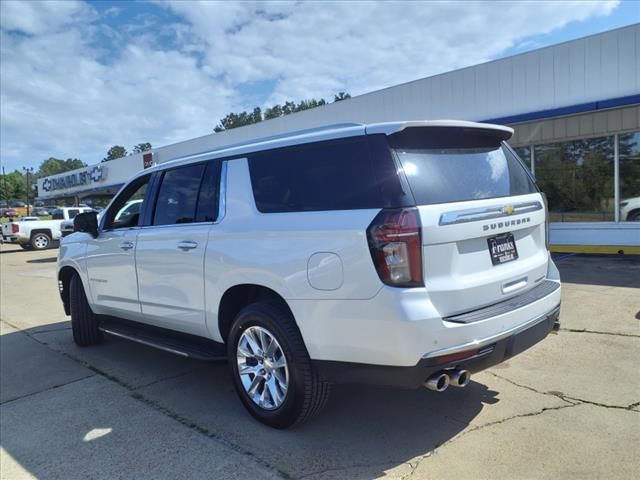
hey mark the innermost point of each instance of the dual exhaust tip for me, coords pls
(439, 382)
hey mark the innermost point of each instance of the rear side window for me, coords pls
(178, 195)
(338, 175)
(454, 165)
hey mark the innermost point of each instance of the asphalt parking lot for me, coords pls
(567, 408)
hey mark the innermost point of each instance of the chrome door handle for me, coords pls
(187, 245)
(126, 245)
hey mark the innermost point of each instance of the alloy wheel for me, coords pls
(262, 367)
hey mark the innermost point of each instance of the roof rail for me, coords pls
(295, 133)
(259, 140)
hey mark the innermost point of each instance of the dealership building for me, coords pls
(574, 107)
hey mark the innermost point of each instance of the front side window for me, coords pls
(57, 215)
(72, 213)
(178, 195)
(126, 209)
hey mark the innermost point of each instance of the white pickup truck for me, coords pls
(39, 234)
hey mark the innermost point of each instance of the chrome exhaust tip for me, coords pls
(438, 382)
(459, 378)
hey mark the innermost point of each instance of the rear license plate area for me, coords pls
(502, 249)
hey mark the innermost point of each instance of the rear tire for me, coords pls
(40, 241)
(84, 323)
(306, 393)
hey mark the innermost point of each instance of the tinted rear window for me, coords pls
(458, 166)
(338, 175)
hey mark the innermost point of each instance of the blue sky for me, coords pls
(78, 77)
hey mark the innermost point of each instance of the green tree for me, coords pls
(341, 96)
(235, 120)
(53, 166)
(240, 119)
(117, 151)
(12, 186)
(142, 147)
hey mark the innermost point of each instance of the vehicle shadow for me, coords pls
(43, 260)
(363, 431)
(5, 251)
(605, 270)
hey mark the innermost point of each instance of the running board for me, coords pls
(178, 343)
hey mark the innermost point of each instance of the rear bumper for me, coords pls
(10, 238)
(480, 356)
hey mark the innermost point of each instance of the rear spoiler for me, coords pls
(391, 128)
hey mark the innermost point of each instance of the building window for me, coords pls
(578, 178)
(629, 158)
(525, 154)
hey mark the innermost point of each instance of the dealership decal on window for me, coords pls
(95, 174)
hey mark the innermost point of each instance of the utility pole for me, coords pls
(28, 170)
(6, 192)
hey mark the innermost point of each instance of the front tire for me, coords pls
(271, 368)
(84, 323)
(40, 241)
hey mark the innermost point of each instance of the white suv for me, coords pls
(400, 254)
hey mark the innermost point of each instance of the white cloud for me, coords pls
(65, 92)
(314, 49)
(59, 100)
(36, 18)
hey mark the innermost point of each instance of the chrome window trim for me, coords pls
(488, 213)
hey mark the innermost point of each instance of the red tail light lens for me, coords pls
(395, 242)
(15, 228)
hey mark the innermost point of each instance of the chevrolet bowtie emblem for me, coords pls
(508, 210)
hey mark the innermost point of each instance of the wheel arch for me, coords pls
(239, 296)
(632, 213)
(46, 231)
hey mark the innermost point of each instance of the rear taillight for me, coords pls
(546, 219)
(15, 228)
(395, 242)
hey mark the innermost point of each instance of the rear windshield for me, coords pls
(449, 169)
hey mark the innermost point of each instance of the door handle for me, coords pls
(126, 245)
(187, 245)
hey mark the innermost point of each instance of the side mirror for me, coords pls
(86, 222)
